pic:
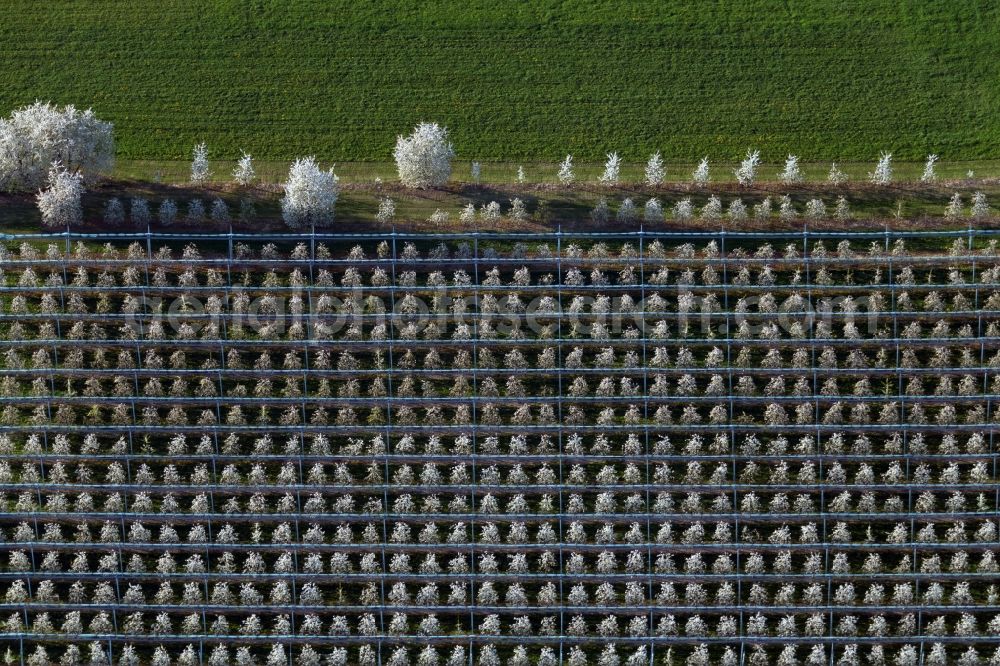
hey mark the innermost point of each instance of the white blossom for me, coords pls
(737, 211)
(37, 136)
(836, 176)
(883, 170)
(439, 217)
(954, 209)
(243, 174)
(626, 212)
(746, 173)
(386, 211)
(114, 212)
(792, 173)
(683, 210)
(611, 170)
(762, 210)
(59, 203)
(566, 175)
(815, 209)
(167, 212)
(491, 212)
(219, 212)
(701, 175)
(601, 212)
(929, 176)
(199, 164)
(842, 212)
(655, 170)
(518, 211)
(467, 214)
(786, 209)
(423, 159)
(653, 211)
(980, 207)
(712, 211)
(310, 195)
(139, 212)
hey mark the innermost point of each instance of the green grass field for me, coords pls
(826, 79)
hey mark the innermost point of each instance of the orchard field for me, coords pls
(506, 386)
(826, 79)
(592, 449)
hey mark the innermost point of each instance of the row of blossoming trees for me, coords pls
(63, 148)
(555, 449)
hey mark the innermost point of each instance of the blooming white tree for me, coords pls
(491, 212)
(953, 210)
(37, 136)
(929, 176)
(762, 210)
(883, 170)
(518, 211)
(601, 212)
(199, 164)
(114, 212)
(59, 203)
(653, 211)
(386, 210)
(220, 212)
(683, 210)
(712, 210)
(439, 217)
(655, 170)
(243, 174)
(786, 209)
(139, 212)
(842, 213)
(836, 176)
(700, 175)
(310, 195)
(423, 159)
(627, 212)
(566, 175)
(477, 170)
(612, 168)
(167, 212)
(815, 209)
(980, 206)
(737, 211)
(792, 172)
(746, 173)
